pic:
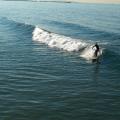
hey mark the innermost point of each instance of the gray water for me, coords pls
(42, 83)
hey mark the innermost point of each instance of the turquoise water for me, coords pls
(38, 82)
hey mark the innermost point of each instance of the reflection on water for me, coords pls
(96, 71)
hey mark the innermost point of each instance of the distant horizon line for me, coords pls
(71, 1)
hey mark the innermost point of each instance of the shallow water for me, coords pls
(40, 82)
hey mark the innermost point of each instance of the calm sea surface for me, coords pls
(42, 83)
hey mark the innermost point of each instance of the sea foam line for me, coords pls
(58, 41)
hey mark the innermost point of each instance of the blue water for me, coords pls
(42, 83)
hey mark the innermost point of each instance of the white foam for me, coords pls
(58, 41)
(64, 43)
(89, 53)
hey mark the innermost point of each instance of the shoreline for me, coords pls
(95, 1)
(74, 1)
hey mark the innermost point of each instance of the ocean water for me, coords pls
(49, 80)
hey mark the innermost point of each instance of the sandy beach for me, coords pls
(96, 1)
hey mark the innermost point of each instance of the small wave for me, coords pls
(21, 28)
(65, 43)
(58, 41)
